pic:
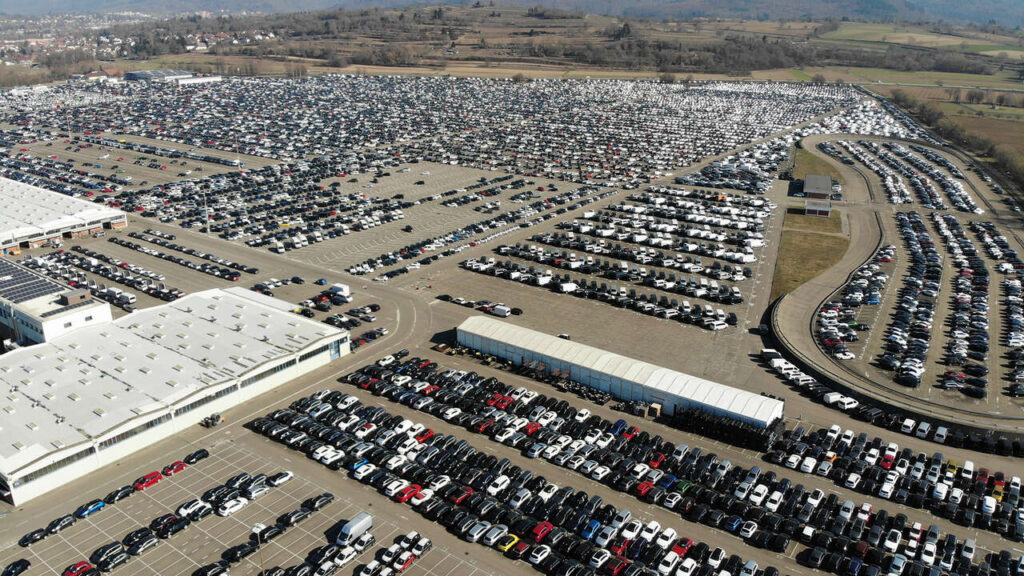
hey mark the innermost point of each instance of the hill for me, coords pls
(1005, 12)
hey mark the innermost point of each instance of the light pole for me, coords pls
(257, 529)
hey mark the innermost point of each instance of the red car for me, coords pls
(518, 551)
(657, 459)
(618, 546)
(366, 385)
(643, 488)
(682, 546)
(482, 427)
(531, 428)
(541, 530)
(404, 565)
(424, 436)
(147, 480)
(615, 566)
(504, 403)
(628, 433)
(430, 389)
(458, 497)
(494, 399)
(407, 493)
(174, 468)
(887, 462)
(78, 569)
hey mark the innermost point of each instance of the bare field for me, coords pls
(804, 255)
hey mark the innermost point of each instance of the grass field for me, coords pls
(920, 36)
(804, 255)
(796, 220)
(808, 163)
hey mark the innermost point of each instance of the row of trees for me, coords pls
(1006, 159)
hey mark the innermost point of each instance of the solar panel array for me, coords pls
(18, 284)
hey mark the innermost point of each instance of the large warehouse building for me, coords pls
(624, 378)
(84, 400)
(30, 216)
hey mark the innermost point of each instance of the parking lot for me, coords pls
(396, 223)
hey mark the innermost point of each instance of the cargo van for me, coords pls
(354, 528)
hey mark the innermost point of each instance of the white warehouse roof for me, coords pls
(78, 387)
(30, 212)
(609, 371)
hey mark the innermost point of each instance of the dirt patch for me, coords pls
(797, 220)
(803, 255)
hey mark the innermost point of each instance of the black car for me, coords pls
(32, 537)
(161, 521)
(172, 528)
(275, 571)
(143, 545)
(236, 553)
(294, 517)
(196, 456)
(317, 502)
(106, 551)
(136, 536)
(113, 561)
(267, 534)
(17, 567)
(119, 494)
(60, 524)
(215, 569)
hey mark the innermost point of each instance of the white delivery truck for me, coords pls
(340, 290)
(354, 528)
(501, 311)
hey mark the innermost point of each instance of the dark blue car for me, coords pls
(591, 528)
(89, 508)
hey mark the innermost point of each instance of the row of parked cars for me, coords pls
(167, 241)
(109, 557)
(838, 321)
(652, 304)
(482, 499)
(656, 484)
(204, 267)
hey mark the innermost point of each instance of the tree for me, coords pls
(520, 78)
(667, 78)
(818, 78)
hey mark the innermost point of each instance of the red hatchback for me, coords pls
(79, 569)
(147, 480)
(532, 428)
(541, 530)
(657, 459)
(174, 468)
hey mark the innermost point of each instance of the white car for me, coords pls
(631, 529)
(808, 465)
(547, 492)
(477, 531)
(793, 461)
(364, 471)
(495, 533)
(346, 555)
(758, 494)
(280, 478)
(892, 541)
(600, 473)
(673, 499)
(231, 506)
(599, 558)
(421, 497)
(191, 506)
(604, 536)
(538, 554)
(498, 485)
(928, 552)
(688, 567)
(652, 529)
(666, 538)
(394, 487)
(774, 501)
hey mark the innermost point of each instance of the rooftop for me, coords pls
(28, 212)
(19, 284)
(80, 386)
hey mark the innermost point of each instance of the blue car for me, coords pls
(667, 481)
(358, 464)
(592, 528)
(618, 428)
(89, 508)
(732, 523)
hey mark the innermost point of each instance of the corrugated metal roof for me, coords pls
(745, 405)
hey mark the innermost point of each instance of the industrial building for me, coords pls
(157, 75)
(624, 378)
(34, 308)
(198, 80)
(81, 401)
(818, 186)
(31, 216)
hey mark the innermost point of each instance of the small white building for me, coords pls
(84, 400)
(34, 308)
(198, 80)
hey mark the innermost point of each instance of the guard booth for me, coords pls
(821, 208)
